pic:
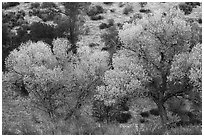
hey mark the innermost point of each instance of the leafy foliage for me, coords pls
(46, 34)
(127, 9)
(94, 10)
(145, 78)
(6, 5)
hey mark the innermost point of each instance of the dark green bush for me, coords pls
(112, 10)
(6, 5)
(127, 9)
(187, 7)
(108, 3)
(111, 22)
(114, 113)
(35, 5)
(110, 37)
(142, 4)
(143, 120)
(103, 26)
(154, 112)
(48, 5)
(93, 45)
(97, 17)
(145, 11)
(95, 10)
(120, 25)
(121, 4)
(41, 31)
(144, 114)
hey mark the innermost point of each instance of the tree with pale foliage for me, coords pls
(57, 82)
(155, 58)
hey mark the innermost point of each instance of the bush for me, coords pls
(120, 25)
(145, 11)
(36, 12)
(154, 112)
(6, 5)
(97, 17)
(93, 45)
(41, 31)
(103, 26)
(94, 10)
(114, 113)
(35, 5)
(110, 38)
(112, 10)
(145, 114)
(143, 120)
(48, 5)
(108, 3)
(121, 4)
(142, 4)
(200, 21)
(186, 8)
(127, 9)
(111, 22)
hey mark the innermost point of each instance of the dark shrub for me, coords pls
(95, 10)
(6, 34)
(103, 26)
(145, 11)
(22, 34)
(154, 112)
(200, 21)
(93, 45)
(121, 4)
(137, 16)
(35, 5)
(6, 5)
(187, 9)
(143, 120)
(123, 117)
(108, 3)
(145, 114)
(48, 5)
(30, 13)
(113, 113)
(100, 111)
(112, 10)
(111, 22)
(41, 31)
(61, 29)
(127, 9)
(110, 37)
(142, 4)
(36, 12)
(193, 4)
(120, 25)
(97, 17)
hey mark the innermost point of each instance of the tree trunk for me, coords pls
(163, 114)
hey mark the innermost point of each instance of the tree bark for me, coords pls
(163, 114)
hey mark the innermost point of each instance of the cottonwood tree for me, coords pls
(148, 61)
(58, 82)
(74, 13)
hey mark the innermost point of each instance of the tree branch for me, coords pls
(170, 95)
